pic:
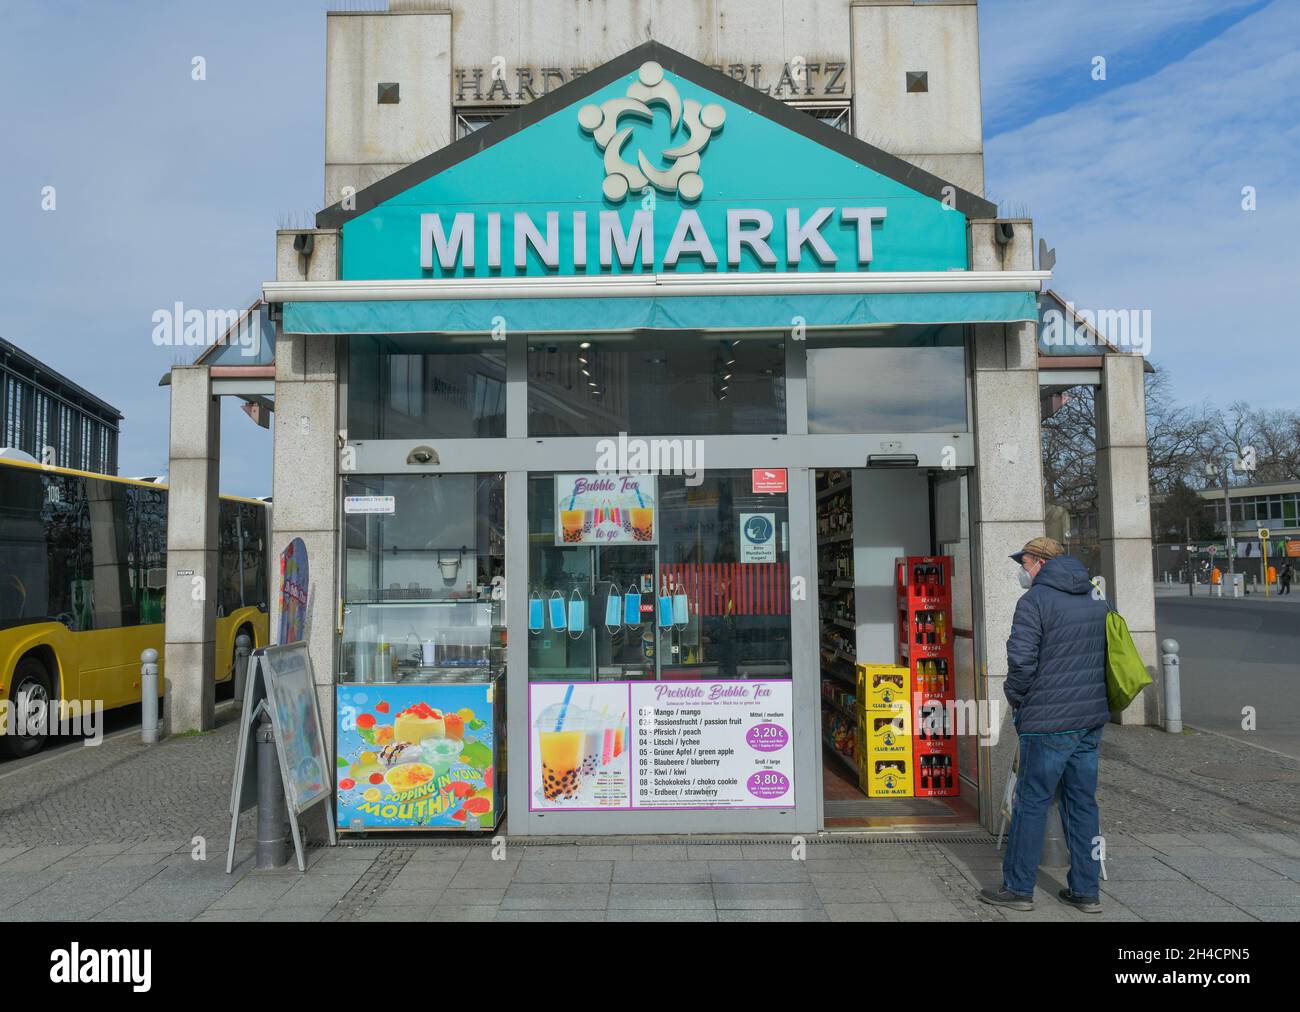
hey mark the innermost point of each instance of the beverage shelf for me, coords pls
(839, 676)
(839, 709)
(842, 757)
(839, 486)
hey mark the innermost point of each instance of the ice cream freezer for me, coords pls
(424, 750)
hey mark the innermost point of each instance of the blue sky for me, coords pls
(170, 189)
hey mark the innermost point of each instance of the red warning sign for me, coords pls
(770, 479)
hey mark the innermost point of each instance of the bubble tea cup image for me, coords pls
(571, 524)
(561, 745)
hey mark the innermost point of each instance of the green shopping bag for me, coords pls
(1126, 675)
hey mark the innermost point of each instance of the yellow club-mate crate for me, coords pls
(888, 732)
(885, 731)
(883, 686)
(886, 776)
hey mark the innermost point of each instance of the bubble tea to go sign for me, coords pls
(605, 509)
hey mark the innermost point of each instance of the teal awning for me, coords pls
(678, 312)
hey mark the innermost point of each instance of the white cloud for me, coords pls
(1140, 189)
(1025, 44)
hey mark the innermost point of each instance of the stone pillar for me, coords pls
(305, 478)
(189, 652)
(1124, 516)
(1009, 488)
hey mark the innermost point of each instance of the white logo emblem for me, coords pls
(683, 177)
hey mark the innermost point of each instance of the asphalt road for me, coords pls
(1234, 654)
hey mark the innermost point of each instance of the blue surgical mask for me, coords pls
(1026, 581)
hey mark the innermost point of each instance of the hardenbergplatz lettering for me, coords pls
(454, 245)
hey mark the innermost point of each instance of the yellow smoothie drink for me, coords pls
(643, 520)
(571, 522)
(561, 760)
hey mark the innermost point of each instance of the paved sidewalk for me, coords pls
(1198, 827)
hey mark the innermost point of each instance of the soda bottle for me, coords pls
(929, 627)
(941, 627)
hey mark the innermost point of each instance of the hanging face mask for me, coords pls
(613, 609)
(1026, 581)
(577, 615)
(536, 613)
(632, 606)
(556, 609)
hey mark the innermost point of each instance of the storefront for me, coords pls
(656, 415)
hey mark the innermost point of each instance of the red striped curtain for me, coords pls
(756, 588)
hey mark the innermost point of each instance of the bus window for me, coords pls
(24, 572)
(111, 601)
(148, 531)
(229, 572)
(253, 528)
(67, 533)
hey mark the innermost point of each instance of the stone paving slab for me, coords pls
(109, 833)
(661, 896)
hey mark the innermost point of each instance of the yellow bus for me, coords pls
(83, 562)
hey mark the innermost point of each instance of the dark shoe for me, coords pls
(1002, 897)
(1086, 904)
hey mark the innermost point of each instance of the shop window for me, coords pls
(834, 114)
(707, 597)
(421, 386)
(472, 120)
(423, 575)
(890, 379)
(656, 384)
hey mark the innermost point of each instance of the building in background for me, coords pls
(42, 408)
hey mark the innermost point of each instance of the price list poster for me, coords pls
(712, 745)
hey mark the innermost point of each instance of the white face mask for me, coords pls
(1026, 581)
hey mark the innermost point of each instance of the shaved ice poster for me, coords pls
(415, 757)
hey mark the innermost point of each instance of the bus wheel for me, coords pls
(28, 698)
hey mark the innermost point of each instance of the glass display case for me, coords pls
(423, 578)
(421, 677)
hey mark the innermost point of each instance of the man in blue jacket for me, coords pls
(1056, 685)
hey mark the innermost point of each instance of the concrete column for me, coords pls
(1008, 485)
(305, 478)
(1124, 516)
(189, 654)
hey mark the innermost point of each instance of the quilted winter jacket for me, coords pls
(1056, 656)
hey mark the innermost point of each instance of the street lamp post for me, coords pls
(1212, 470)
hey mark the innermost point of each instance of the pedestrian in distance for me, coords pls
(1287, 575)
(1056, 685)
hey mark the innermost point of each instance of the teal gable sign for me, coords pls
(653, 174)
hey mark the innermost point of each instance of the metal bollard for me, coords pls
(149, 696)
(242, 647)
(1173, 690)
(272, 815)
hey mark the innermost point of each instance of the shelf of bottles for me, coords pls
(925, 647)
(838, 632)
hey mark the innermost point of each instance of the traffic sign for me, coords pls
(1263, 534)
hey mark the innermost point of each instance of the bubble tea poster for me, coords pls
(579, 738)
(605, 509)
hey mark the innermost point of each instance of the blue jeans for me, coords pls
(1067, 761)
